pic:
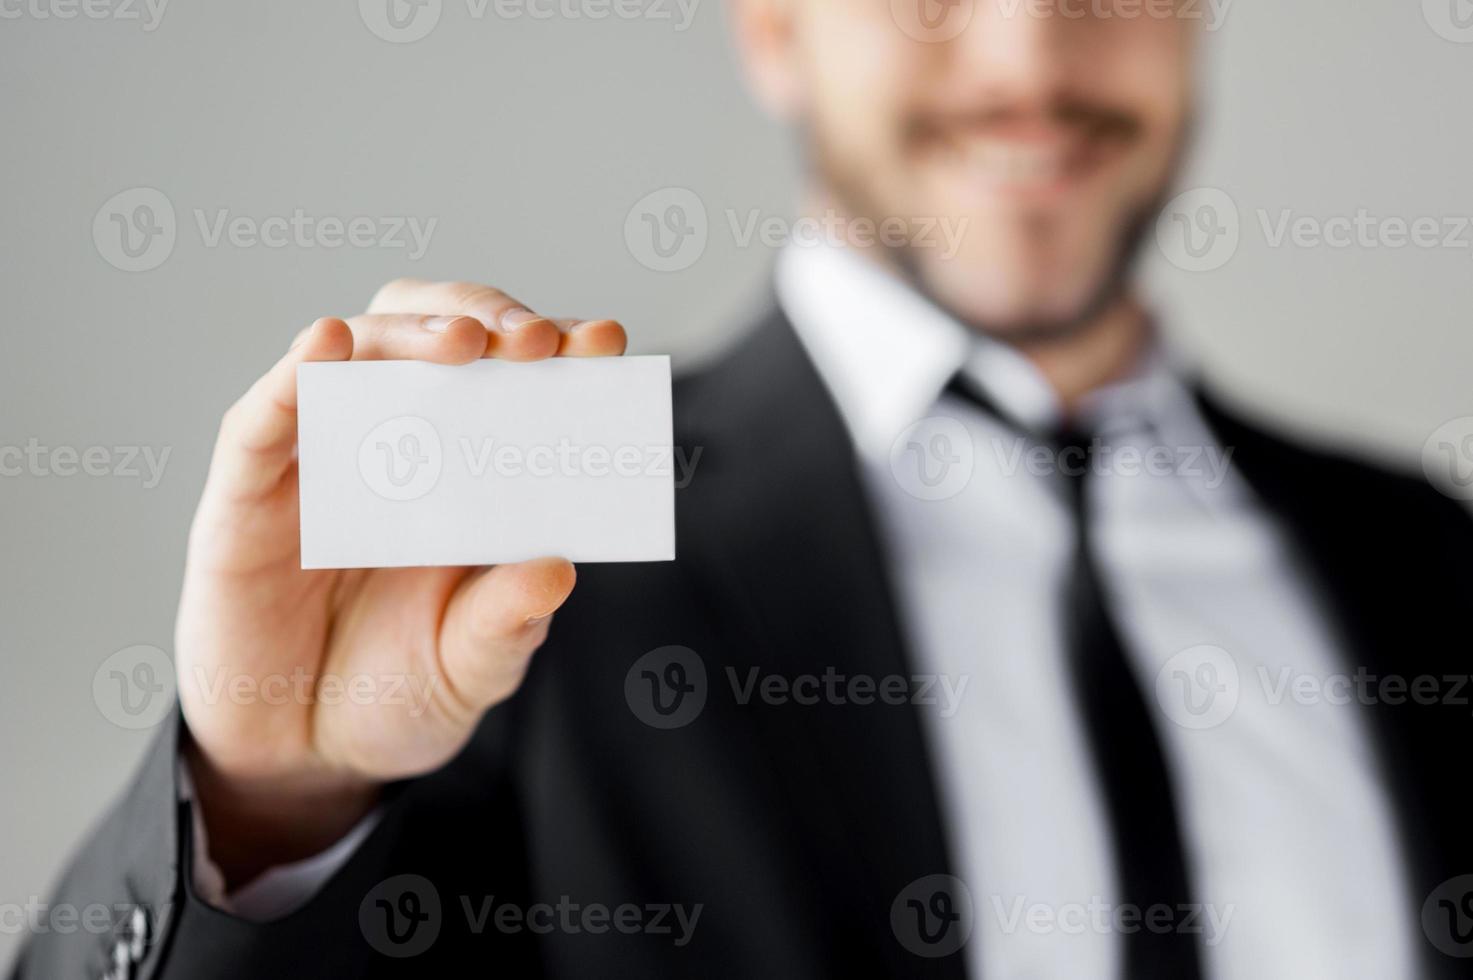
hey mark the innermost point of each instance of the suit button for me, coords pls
(122, 966)
(136, 933)
(129, 945)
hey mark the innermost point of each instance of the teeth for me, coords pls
(1014, 163)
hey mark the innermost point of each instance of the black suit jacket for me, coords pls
(794, 827)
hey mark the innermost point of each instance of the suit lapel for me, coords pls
(1377, 546)
(802, 563)
(800, 555)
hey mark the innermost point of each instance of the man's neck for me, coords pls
(1104, 350)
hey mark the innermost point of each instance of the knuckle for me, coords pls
(230, 419)
(492, 680)
(392, 288)
(488, 622)
(468, 295)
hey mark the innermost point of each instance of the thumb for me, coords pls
(493, 623)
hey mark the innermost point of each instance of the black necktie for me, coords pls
(1149, 856)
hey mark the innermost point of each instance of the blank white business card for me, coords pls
(408, 463)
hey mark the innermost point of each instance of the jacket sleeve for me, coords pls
(389, 910)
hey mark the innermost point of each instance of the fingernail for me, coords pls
(512, 319)
(538, 620)
(439, 324)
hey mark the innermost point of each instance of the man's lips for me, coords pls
(1026, 159)
(1029, 153)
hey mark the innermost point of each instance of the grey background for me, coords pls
(530, 141)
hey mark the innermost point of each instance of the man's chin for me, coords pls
(1029, 331)
(1046, 314)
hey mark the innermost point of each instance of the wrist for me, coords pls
(257, 822)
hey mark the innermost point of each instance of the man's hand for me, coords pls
(281, 780)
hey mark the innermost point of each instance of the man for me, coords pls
(984, 653)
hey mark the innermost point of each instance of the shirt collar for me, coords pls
(886, 353)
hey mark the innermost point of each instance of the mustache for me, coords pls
(1080, 114)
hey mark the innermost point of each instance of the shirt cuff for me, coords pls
(277, 891)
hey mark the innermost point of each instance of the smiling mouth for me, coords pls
(1031, 159)
(1032, 166)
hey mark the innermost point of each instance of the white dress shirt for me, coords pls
(1288, 825)
(1289, 830)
